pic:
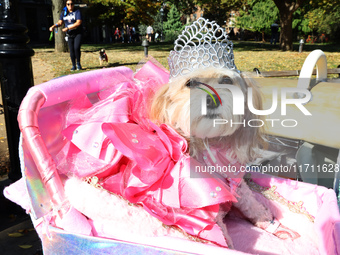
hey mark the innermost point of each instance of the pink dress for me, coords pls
(114, 140)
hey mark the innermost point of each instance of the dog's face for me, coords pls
(192, 103)
(102, 52)
(211, 103)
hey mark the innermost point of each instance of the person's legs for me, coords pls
(77, 44)
(272, 38)
(72, 53)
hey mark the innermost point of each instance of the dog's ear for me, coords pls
(247, 139)
(256, 92)
(159, 105)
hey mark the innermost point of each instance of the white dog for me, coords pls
(179, 104)
(204, 87)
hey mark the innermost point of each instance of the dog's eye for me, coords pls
(192, 83)
(225, 80)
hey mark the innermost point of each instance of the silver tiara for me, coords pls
(202, 44)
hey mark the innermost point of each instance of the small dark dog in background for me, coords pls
(103, 57)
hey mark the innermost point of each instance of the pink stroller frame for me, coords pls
(41, 190)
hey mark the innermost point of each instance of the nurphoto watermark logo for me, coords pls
(243, 97)
(220, 107)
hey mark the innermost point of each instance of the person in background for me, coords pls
(128, 34)
(122, 34)
(149, 32)
(157, 37)
(133, 34)
(74, 30)
(274, 29)
(117, 34)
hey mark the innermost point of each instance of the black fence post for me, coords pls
(16, 76)
(145, 44)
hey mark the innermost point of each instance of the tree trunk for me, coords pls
(263, 37)
(59, 38)
(286, 9)
(286, 35)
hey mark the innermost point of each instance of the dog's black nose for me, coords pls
(212, 103)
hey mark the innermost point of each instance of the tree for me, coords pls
(59, 38)
(258, 17)
(158, 21)
(111, 15)
(185, 6)
(141, 11)
(323, 17)
(300, 23)
(129, 11)
(218, 10)
(173, 26)
(286, 10)
(330, 23)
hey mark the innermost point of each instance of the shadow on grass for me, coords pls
(109, 65)
(324, 47)
(168, 46)
(87, 68)
(259, 46)
(238, 46)
(129, 47)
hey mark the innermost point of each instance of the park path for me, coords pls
(42, 71)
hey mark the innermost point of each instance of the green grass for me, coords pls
(248, 55)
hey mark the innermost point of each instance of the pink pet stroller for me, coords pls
(309, 209)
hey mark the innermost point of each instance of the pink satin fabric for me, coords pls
(145, 163)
